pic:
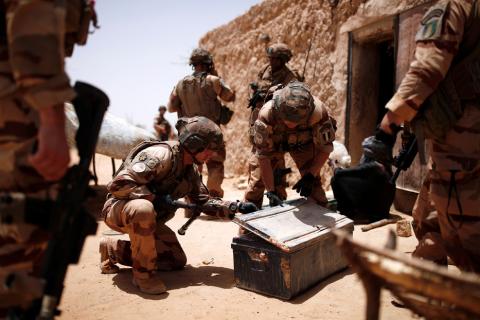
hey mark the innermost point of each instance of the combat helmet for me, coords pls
(199, 56)
(280, 50)
(199, 133)
(294, 102)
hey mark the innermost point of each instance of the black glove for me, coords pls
(379, 147)
(304, 186)
(247, 207)
(274, 199)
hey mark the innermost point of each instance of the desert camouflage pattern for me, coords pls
(131, 207)
(449, 32)
(198, 95)
(273, 139)
(266, 79)
(32, 77)
(166, 127)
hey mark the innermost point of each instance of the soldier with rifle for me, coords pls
(142, 199)
(276, 73)
(440, 97)
(35, 204)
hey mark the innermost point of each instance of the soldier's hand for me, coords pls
(274, 199)
(304, 186)
(52, 156)
(247, 207)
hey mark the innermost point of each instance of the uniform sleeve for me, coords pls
(437, 42)
(263, 133)
(174, 103)
(222, 89)
(133, 181)
(35, 32)
(210, 206)
(323, 127)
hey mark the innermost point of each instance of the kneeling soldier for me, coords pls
(294, 122)
(152, 171)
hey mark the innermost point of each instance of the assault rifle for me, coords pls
(257, 96)
(405, 157)
(71, 223)
(168, 203)
(278, 175)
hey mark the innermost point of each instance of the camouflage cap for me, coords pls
(199, 133)
(280, 50)
(294, 102)
(200, 55)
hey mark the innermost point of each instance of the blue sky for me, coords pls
(142, 49)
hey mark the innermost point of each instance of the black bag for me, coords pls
(364, 192)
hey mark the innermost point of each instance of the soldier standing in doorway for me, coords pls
(440, 96)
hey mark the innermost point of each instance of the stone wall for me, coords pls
(239, 52)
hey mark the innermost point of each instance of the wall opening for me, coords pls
(371, 82)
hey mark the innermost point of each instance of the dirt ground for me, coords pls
(205, 288)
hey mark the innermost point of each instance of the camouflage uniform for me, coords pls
(306, 143)
(162, 122)
(132, 207)
(35, 37)
(197, 95)
(450, 31)
(267, 78)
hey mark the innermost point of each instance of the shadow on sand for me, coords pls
(189, 276)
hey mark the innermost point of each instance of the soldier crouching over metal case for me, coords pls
(295, 122)
(136, 205)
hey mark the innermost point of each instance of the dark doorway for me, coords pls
(371, 85)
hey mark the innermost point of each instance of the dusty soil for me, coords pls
(205, 288)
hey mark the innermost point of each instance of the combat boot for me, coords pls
(107, 266)
(148, 282)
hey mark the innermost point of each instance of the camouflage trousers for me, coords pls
(152, 246)
(455, 191)
(216, 173)
(256, 188)
(426, 227)
(303, 157)
(21, 245)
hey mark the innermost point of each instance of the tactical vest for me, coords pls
(445, 106)
(286, 139)
(198, 97)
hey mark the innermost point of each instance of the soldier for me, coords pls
(294, 122)
(162, 126)
(440, 94)
(275, 73)
(33, 89)
(198, 95)
(152, 171)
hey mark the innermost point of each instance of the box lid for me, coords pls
(295, 225)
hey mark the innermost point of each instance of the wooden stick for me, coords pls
(378, 224)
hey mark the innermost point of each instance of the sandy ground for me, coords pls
(205, 288)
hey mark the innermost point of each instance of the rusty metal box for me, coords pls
(289, 249)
